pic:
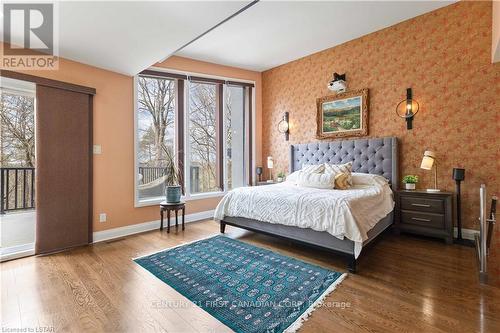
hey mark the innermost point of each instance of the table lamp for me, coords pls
(270, 166)
(429, 161)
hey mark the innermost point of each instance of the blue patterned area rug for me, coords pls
(247, 288)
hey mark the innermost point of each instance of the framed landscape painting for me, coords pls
(343, 115)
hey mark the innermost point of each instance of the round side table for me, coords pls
(167, 206)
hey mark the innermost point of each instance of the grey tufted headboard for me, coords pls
(376, 156)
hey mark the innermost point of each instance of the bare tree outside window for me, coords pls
(202, 136)
(228, 112)
(17, 130)
(156, 132)
(17, 150)
(234, 128)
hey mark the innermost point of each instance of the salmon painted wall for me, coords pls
(445, 56)
(114, 131)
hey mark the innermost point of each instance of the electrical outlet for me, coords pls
(97, 149)
(102, 217)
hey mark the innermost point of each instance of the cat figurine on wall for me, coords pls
(338, 84)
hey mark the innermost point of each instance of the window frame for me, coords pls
(19, 87)
(187, 148)
(182, 113)
(246, 136)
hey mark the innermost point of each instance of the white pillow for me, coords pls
(368, 179)
(316, 180)
(306, 168)
(293, 177)
(316, 168)
(338, 168)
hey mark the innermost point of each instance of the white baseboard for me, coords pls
(105, 235)
(466, 233)
(17, 251)
(24, 250)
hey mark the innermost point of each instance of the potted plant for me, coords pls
(410, 181)
(173, 189)
(281, 176)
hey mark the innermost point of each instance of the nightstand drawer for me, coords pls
(422, 204)
(422, 219)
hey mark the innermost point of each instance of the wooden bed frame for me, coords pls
(374, 156)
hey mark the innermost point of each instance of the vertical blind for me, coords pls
(64, 169)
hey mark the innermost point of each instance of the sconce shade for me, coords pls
(408, 108)
(270, 162)
(428, 160)
(284, 126)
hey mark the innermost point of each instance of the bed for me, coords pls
(377, 156)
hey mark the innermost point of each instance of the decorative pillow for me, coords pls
(293, 177)
(340, 168)
(316, 180)
(313, 168)
(341, 181)
(368, 179)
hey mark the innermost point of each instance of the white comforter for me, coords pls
(342, 213)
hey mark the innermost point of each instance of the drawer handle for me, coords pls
(420, 205)
(420, 219)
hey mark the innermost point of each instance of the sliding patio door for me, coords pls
(64, 169)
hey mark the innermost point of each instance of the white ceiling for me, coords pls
(127, 37)
(272, 33)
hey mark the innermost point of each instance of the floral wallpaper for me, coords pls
(445, 56)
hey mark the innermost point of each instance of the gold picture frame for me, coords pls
(342, 115)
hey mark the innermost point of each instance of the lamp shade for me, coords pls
(428, 160)
(270, 162)
(283, 126)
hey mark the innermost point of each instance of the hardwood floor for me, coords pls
(404, 284)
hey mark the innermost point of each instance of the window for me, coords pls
(234, 132)
(17, 129)
(202, 128)
(203, 123)
(17, 156)
(155, 133)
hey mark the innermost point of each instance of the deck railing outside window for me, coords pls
(17, 189)
(150, 174)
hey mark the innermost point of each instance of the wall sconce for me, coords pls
(408, 108)
(284, 126)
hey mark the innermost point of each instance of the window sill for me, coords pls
(157, 200)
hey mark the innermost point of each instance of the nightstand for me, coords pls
(265, 183)
(425, 213)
